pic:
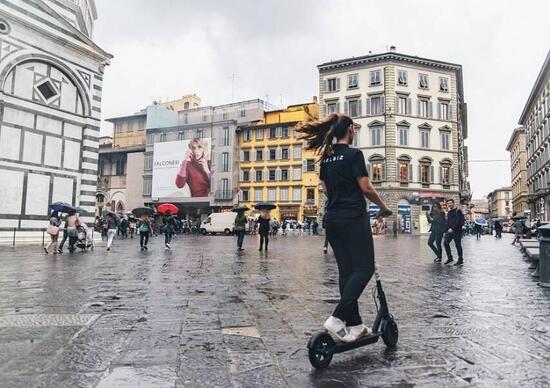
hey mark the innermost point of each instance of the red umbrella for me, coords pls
(167, 207)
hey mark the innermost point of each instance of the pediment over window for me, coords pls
(446, 162)
(375, 157)
(425, 126)
(425, 159)
(404, 123)
(375, 123)
(445, 128)
(404, 158)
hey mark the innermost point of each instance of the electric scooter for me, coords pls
(322, 346)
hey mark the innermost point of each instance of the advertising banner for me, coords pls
(182, 169)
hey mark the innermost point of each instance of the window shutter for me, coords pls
(242, 156)
(359, 103)
(382, 104)
(304, 165)
(418, 107)
(337, 107)
(252, 175)
(241, 175)
(441, 175)
(449, 111)
(397, 105)
(419, 173)
(252, 155)
(278, 153)
(430, 109)
(367, 106)
(439, 111)
(325, 85)
(410, 172)
(431, 174)
(384, 171)
(346, 107)
(409, 106)
(337, 83)
(278, 174)
(451, 175)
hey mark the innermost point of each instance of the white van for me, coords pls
(219, 223)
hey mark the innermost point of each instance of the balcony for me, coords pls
(310, 202)
(107, 182)
(224, 195)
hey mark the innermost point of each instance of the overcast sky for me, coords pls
(164, 49)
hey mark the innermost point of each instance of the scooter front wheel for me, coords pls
(390, 332)
(321, 350)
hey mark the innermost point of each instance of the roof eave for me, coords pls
(534, 91)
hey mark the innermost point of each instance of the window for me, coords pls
(375, 135)
(47, 90)
(354, 108)
(297, 152)
(225, 161)
(310, 165)
(150, 139)
(443, 111)
(376, 105)
(377, 170)
(272, 133)
(375, 78)
(148, 162)
(272, 175)
(200, 133)
(424, 138)
(284, 154)
(204, 115)
(445, 172)
(224, 115)
(259, 155)
(405, 171)
(424, 107)
(258, 195)
(403, 105)
(310, 196)
(353, 81)
(271, 194)
(120, 167)
(243, 111)
(297, 194)
(283, 194)
(246, 195)
(423, 81)
(147, 186)
(259, 177)
(424, 173)
(272, 154)
(285, 132)
(225, 136)
(246, 175)
(181, 135)
(443, 84)
(225, 188)
(284, 174)
(332, 107)
(259, 134)
(185, 118)
(162, 137)
(445, 140)
(402, 77)
(247, 136)
(403, 135)
(332, 84)
(297, 173)
(246, 156)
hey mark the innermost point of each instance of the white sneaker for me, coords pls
(338, 328)
(359, 331)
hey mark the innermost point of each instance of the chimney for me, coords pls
(392, 49)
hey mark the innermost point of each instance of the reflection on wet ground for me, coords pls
(205, 315)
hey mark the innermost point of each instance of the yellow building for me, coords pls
(275, 167)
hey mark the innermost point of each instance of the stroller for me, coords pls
(85, 238)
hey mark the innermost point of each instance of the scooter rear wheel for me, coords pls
(390, 333)
(321, 350)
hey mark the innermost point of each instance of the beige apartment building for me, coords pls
(518, 164)
(500, 202)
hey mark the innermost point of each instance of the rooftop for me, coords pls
(539, 84)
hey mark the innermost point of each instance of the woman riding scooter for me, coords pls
(345, 180)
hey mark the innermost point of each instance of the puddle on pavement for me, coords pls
(245, 331)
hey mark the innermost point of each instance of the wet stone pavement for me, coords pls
(203, 315)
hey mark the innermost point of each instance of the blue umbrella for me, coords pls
(62, 207)
(481, 221)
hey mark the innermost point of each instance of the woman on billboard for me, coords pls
(195, 170)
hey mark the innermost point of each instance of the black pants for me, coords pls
(434, 242)
(457, 238)
(143, 238)
(264, 237)
(351, 241)
(65, 236)
(168, 236)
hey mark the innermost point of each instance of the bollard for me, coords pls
(543, 268)
(43, 241)
(13, 243)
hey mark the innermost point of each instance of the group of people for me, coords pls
(446, 227)
(74, 231)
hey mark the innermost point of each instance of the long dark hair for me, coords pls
(320, 134)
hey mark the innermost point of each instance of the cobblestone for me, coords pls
(203, 314)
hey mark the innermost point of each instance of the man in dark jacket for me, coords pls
(455, 221)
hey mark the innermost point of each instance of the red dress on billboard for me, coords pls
(193, 174)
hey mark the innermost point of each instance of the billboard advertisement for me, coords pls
(182, 169)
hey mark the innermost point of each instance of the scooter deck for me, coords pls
(340, 346)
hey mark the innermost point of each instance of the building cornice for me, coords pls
(535, 91)
(515, 134)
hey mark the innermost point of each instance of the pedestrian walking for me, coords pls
(284, 227)
(519, 230)
(437, 221)
(65, 237)
(240, 228)
(264, 224)
(112, 224)
(498, 229)
(477, 231)
(132, 226)
(455, 221)
(123, 227)
(274, 227)
(345, 179)
(53, 232)
(169, 228)
(144, 230)
(71, 224)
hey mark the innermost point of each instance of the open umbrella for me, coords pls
(519, 218)
(79, 210)
(167, 207)
(62, 207)
(138, 211)
(264, 206)
(109, 213)
(480, 221)
(240, 208)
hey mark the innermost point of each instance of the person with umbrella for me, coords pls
(169, 221)
(479, 224)
(112, 221)
(240, 225)
(264, 222)
(144, 227)
(437, 221)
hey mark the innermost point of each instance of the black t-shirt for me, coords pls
(340, 173)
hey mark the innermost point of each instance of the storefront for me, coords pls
(288, 212)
